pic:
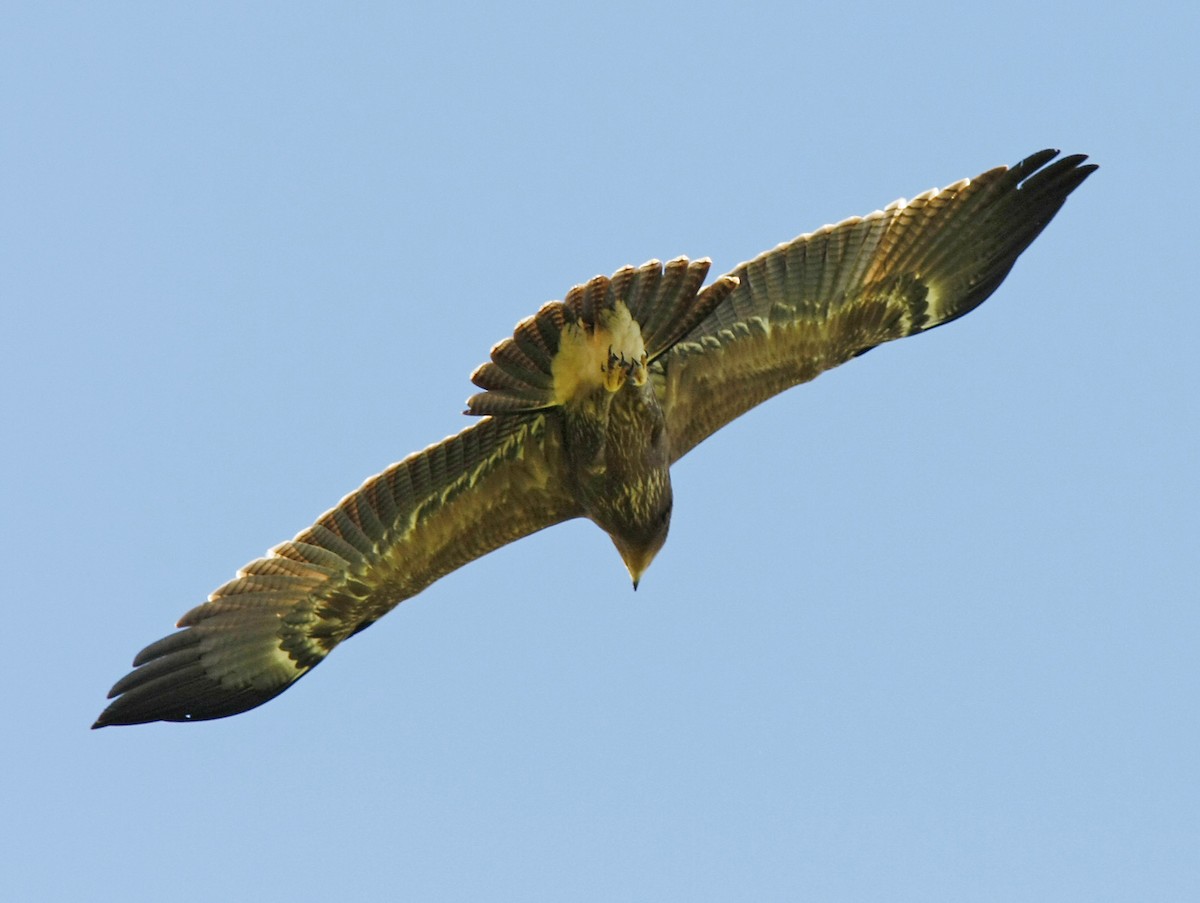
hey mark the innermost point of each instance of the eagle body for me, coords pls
(583, 410)
(619, 460)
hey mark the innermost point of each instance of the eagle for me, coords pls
(583, 410)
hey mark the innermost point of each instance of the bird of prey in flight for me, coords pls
(583, 411)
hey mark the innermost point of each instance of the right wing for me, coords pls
(817, 301)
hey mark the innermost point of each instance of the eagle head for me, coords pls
(639, 541)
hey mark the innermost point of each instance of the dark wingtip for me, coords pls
(169, 682)
(191, 701)
(1059, 178)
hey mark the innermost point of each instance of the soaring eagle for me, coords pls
(584, 410)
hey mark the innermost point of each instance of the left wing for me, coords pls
(825, 297)
(496, 481)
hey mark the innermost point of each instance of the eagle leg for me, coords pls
(620, 368)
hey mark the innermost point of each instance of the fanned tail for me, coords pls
(664, 302)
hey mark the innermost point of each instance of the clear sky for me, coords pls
(925, 629)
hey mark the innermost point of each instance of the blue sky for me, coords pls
(925, 629)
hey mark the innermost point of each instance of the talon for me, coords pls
(638, 372)
(620, 368)
(614, 376)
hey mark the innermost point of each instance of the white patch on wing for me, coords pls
(281, 667)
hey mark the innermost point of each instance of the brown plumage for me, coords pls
(584, 410)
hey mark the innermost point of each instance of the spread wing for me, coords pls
(433, 512)
(825, 297)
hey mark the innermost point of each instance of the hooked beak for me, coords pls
(637, 559)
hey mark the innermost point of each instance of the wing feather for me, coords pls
(825, 297)
(433, 512)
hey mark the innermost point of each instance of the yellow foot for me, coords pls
(638, 372)
(619, 368)
(614, 371)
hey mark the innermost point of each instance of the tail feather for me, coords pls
(666, 302)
